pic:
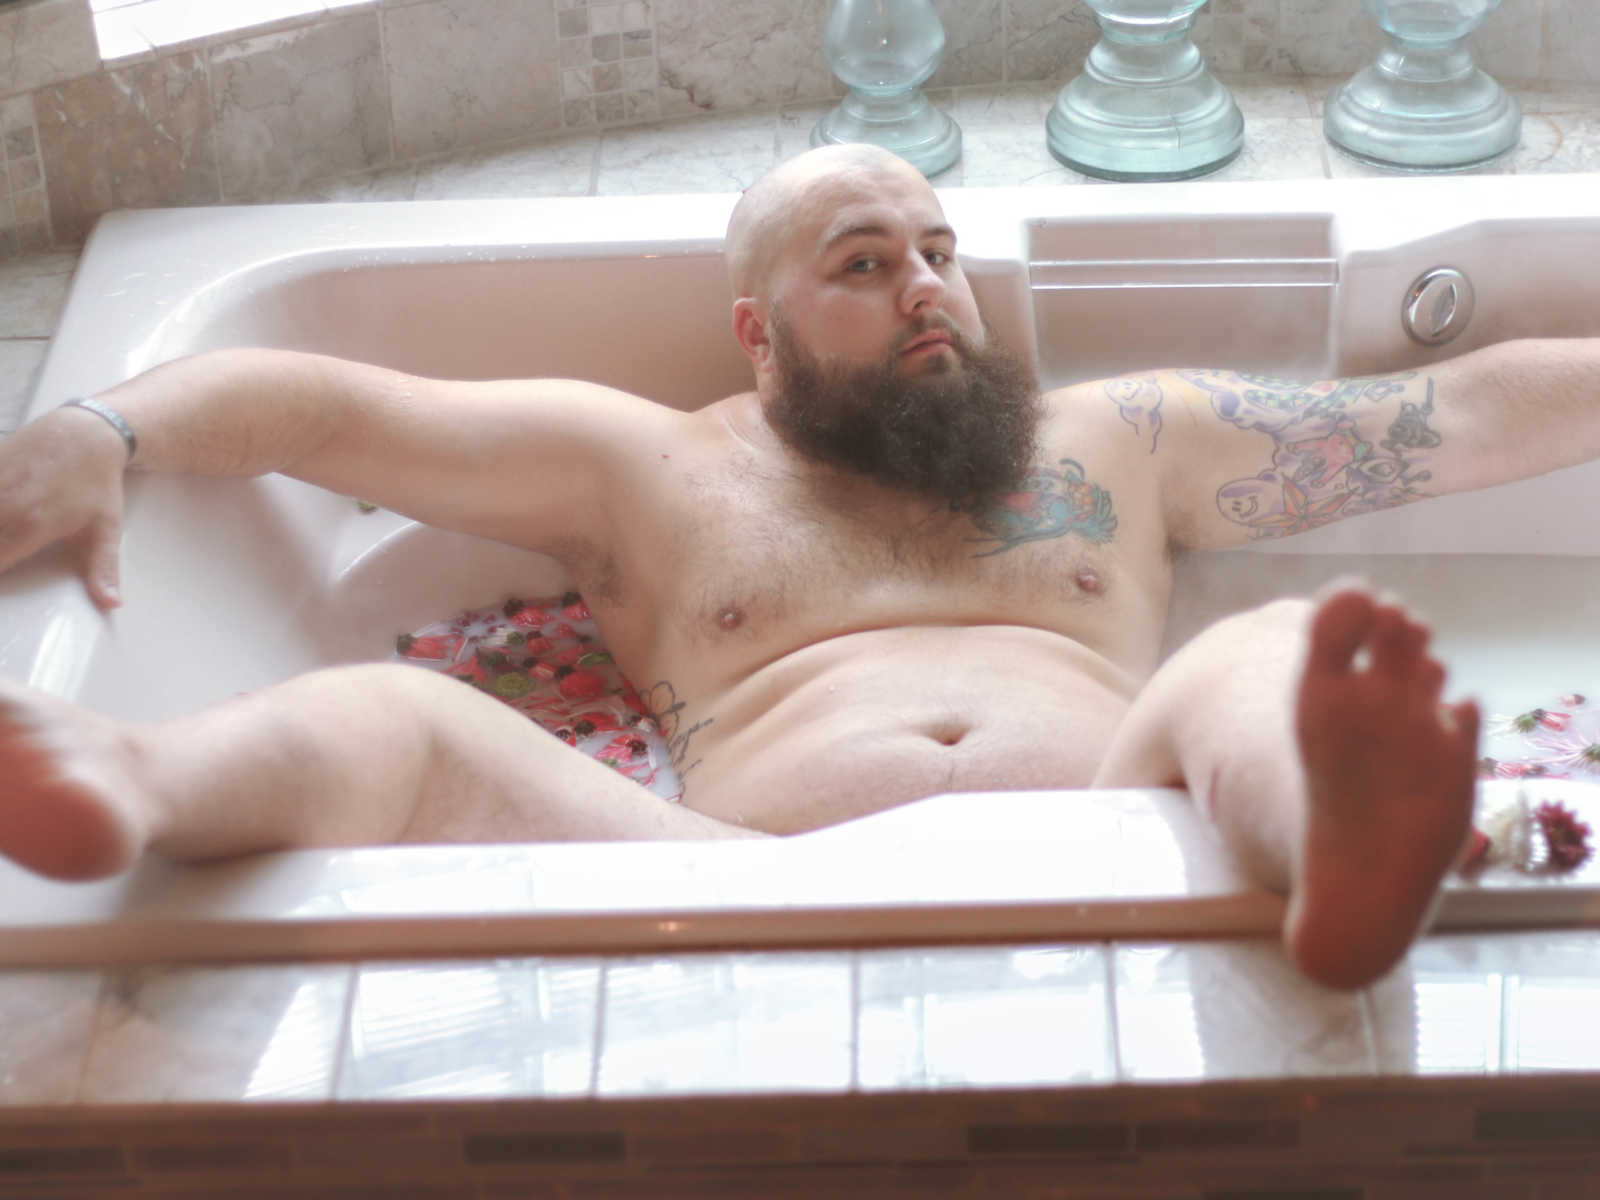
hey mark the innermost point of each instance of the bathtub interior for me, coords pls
(232, 585)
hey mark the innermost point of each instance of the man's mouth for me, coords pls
(926, 342)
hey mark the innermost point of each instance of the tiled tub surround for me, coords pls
(364, 98)
(1110, 1069)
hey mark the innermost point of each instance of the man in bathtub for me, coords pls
(892, 570)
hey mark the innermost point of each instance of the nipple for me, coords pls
(1088, 581)
(730, 619)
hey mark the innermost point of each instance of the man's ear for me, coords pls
(750, 329)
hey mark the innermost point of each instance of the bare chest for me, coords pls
(783, 561)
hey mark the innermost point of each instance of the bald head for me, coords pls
(787, 196)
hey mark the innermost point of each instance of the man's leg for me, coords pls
(1314, 737)
(349, 756)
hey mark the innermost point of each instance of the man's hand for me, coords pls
(61, 480)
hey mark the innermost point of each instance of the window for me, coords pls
(128, 27)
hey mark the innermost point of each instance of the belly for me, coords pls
(871, 720)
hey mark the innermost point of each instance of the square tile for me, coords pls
(45, 42)
(472, 1029)
(46, 1018)
(984, 1016)
(137, 137)
(733, 55)
(711, 154)
(702, 1024)
(19, 370)
(1493, 1004)
(563, 167)
(299, 105)
(217, 1034)
(466, 72)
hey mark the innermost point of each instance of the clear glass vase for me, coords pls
(1145, 106)
(1424, 104)
(883, 51)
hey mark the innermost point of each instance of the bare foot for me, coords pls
(1390, 784)
(69, 804)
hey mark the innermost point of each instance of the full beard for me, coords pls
(959, 432)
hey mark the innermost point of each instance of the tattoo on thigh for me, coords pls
(1051, 503)
(667, 710)
(1325, 465)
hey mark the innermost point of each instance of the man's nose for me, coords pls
(924, 289)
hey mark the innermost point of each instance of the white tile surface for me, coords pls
(47, 1018)
(984, 1017)
(726, 1023)
(489, 1028)
(1489, 1004)
(226, 1034)
(1231, 1009)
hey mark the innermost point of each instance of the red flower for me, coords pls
(579, 686)
(1565, 835)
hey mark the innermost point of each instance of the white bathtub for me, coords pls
(231, 585)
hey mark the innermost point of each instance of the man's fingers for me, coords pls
(102, 547)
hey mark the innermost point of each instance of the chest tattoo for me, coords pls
(1052, 502)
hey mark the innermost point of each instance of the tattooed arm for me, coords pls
(1242, 457)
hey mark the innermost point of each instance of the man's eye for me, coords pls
(936, 258)
(861, 265)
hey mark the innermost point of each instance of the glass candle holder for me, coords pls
(1424, 105)
(1145, 106)
(883, 51)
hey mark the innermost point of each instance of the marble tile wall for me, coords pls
(374, 90)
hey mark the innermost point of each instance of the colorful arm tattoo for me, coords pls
(1051, 503)
(1324, 465)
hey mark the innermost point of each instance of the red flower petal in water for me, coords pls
(1566, 836)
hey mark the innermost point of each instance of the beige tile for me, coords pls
(974, 43)
(1018, 156)
(1268, 96)
(564, 167)
(1318, 38)
(299, 105)
(710, 154)
(138, 137)
(45, 42)
(1572, 30)
(19, 370)
(1010, 108)
(1278, 148)
(1510, 43)
(224, 1034)
(466, 72)
(1233, 1009)
(726, 1023)
(480, 1029)
(990, 1016)
(1240, 35)
(727, 55)
(1047, 39)
(33, 290)
(389, 184)
(45, 1022)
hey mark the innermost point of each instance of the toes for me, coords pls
(1399, 641)
(1339, 628)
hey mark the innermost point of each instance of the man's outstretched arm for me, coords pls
(1243, 457)
(526, 462)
